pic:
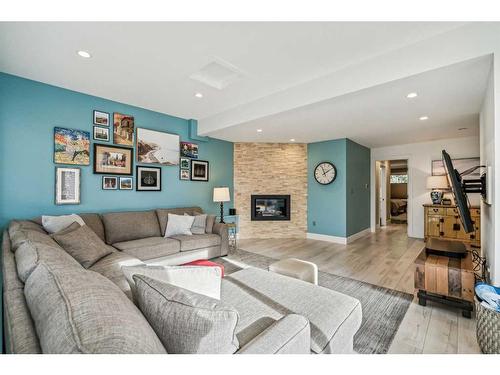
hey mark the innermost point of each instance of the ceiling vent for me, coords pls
(218, 74)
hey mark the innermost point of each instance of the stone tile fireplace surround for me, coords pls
(271, 169)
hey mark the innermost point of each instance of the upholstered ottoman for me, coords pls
(296, 268)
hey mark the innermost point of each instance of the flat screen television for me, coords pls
(455, 181)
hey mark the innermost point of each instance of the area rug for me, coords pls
(383, 309)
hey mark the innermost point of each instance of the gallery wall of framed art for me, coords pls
(32, 131)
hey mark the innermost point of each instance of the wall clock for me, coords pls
(325, 173)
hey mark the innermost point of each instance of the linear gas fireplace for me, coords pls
(270, 207)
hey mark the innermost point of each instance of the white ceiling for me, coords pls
(382, 115)
(149, 65)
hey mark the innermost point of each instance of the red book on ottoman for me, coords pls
(205, 263)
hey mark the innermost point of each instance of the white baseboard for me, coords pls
(336, 239)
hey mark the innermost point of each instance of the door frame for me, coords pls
(382, 196)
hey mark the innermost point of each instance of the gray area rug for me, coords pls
(383, 309)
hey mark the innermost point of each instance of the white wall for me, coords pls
(490, 220)
(420, 156)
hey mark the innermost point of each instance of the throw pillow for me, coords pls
(53, 224)
(179, 224)
(199, 223)
(186, 322)
(82, 243)
(210, 223)
(201, 280)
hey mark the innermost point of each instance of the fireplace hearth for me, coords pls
(270, 207)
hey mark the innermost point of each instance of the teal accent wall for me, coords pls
(357, 187)
(30, 110)
(326, 204)
(341, 208)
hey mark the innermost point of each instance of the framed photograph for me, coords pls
(123, 129)
(101, 118)
(148, 178)
(154, 147)
(199, 170)
(185, 163)
(112, 159)
(189, 150)
(101, 134)
(461, 165)
(71, 146)
(109, 183)
(67, 185)
(184, 174)
(126, 183)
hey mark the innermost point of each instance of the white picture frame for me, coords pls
(67, 189)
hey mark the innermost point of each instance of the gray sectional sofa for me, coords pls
(52, 304)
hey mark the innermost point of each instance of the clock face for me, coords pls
(325, 173)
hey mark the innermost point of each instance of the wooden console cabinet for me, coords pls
(444, 222)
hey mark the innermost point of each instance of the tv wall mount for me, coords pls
(473, 185)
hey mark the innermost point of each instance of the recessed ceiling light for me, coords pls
(259, 130)
(199, 95)
(84, 54)
(462, 128)
(423, 118)
(412, 95)
(292, 140)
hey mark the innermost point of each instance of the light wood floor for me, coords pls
(386, 259)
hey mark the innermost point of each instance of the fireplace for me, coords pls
(270, 207)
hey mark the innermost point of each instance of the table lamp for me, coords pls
(438, 184)
(221, 194)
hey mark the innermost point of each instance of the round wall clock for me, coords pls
(325, 173)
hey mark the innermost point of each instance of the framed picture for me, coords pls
(184, 174)
(101, 118)
(199, 170)
(154, 147)
(189, 150)
(461, 165)
(101, 134)
(125, 183)
(185, 163)
(123, 129)
(109, 183)
(112, 159)
(67, 185)
(148, 178)
(71, 146)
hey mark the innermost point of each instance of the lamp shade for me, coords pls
(437, 182)
(221, 194)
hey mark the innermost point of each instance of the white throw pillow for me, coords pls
(197, 279)
(53, 224)
(179, 224)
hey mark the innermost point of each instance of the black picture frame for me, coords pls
(94, 115)
(100, 139)
(138, 179)
(194, 164)
(126, 178)
(112, 178)
(130, 169)
(184, 178)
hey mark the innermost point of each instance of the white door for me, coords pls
(383, 195)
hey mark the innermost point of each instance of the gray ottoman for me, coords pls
(296, 268)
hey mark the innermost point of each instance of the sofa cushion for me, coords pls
(82, 243)
(94, 222)
(30, 254)
(197, 241)
(261, 297)
(201, 280)
(210, 223)
(127, 226)
(162, 214)
(149, 248)
(111, 267)
(54, 224)
(21, 231)
(187, 322)
(80, 311)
